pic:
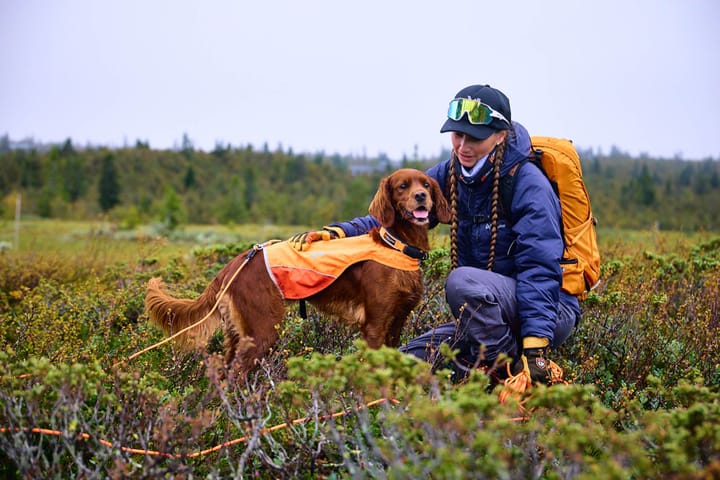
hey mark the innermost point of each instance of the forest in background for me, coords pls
(236, 185)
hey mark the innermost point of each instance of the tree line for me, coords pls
(136, 185)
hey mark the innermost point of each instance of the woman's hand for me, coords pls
(532, 368)
(304, 239)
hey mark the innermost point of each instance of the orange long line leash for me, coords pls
(136, 451)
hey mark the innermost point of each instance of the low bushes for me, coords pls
(643, 401)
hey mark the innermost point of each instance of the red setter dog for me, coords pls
(377, 298)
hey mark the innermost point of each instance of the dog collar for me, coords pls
(399, 245)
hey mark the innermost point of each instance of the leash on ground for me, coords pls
(154, 453)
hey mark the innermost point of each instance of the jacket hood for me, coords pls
(518, 147)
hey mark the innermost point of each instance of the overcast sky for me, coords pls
(359, 77)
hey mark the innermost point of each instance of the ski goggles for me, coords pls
(478, 113)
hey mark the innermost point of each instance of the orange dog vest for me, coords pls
(299, 274)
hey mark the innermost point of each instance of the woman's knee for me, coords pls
(468, 286)
(460, 285)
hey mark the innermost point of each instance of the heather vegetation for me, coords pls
(643, 398)
(642, 402)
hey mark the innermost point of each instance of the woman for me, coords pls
(505, 292)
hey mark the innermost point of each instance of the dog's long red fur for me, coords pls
(374, 297)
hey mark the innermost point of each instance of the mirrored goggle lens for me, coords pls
(477, 113)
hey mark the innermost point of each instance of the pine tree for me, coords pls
(108, 184)
(72, 171)
(189, 180)
(172, 210)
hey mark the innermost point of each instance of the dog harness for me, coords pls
(300, 274)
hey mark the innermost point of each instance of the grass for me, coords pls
(643, 364)
(101, 242)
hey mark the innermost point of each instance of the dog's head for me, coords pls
(409, 195)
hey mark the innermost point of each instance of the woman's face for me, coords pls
(470, 149)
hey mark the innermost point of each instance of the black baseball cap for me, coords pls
(491, 97)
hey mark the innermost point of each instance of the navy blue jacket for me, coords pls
(528, 249)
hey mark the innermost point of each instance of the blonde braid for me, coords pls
(452, 184)
(497, 162)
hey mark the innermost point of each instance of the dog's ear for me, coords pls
(381, 206)
(440, 204)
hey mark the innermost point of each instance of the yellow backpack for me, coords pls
(559, 161)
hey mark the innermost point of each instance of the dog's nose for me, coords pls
(420, 196)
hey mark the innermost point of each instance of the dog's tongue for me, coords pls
(420, 213)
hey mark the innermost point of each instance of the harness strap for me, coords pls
(400, 246)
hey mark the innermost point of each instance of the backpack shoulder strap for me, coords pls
(507, 185)
(507, 188)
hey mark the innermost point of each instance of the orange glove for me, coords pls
(304, 239)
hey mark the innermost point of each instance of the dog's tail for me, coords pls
(173, 314)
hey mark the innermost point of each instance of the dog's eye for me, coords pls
(426, 184)
(403, 186)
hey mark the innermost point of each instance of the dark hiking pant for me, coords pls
(484, 306)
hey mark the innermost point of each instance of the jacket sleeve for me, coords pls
(357, 226)
(538, 250)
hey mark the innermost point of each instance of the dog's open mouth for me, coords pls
(420, 215)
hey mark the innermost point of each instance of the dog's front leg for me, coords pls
(374, 331)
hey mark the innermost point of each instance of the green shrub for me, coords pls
(643, 402)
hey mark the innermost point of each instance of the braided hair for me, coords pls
(496, 157)
(452, 180)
